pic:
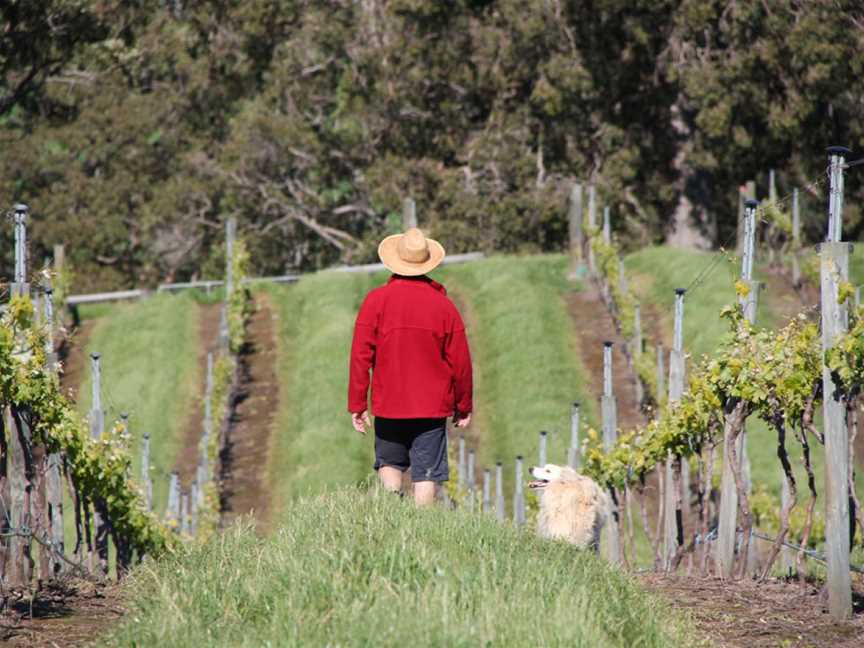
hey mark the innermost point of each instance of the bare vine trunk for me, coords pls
(787, 507)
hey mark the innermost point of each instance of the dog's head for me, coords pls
(544, 475)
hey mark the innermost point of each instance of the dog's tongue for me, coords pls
(537, 483)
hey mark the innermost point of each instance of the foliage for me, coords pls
(135, 130)
(360, 568)
(100, 467)
(774, 373)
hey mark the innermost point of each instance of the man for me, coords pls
(411, 336)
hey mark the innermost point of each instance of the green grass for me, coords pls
(150, 371)
(526, 361)
(353, 568)
(314, 446)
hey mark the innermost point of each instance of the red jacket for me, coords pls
(411, 336)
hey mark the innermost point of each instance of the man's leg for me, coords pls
(390, 478)
(429, 460)
(424, 492)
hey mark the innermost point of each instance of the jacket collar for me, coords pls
(421, 280)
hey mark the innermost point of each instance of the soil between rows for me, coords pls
(244, 458)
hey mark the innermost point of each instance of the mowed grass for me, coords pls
(527, 367)
(314, 446)
(150, 371)
(356, 568)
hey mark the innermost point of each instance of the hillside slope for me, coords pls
(150, 371)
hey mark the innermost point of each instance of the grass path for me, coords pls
(353, 568)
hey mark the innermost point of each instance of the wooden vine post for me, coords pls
(519, 495)
(97, 428)
(728, 512)
(500, 513)
(19, 465)
(834, 271)
(576, 236)
(472, 486)
(409, 214)
(796, 239)
(573, 450)
(611, 544)
(673, 537)
(461, 466)
(592, 227)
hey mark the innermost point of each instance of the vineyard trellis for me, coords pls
(45, 443)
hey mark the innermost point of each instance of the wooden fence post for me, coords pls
(541, 449)
(573, 450)
(500, 513)
(184, 514)
(172, 512)
(834, 270)
(611, 545)
(193, 506)
(487, 490)
(101, 524)
(575, 232)
(472, 485)
(519, 495)
(796, 239)
(728, 512)
(673, 524)
(461, 466)
(230, 236)
(54, 488)
(592, 227)
(661, 373)
(409, 214)
(146, 481)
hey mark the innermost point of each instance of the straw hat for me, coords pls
(410, 254)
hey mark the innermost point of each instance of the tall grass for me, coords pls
(150, 371)
(356, 568)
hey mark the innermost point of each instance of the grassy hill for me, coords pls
(149, 370)
(357, 568)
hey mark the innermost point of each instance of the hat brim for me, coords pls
(389, 255)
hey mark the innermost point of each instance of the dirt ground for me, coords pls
(72, 354)
(67, 613)
(595, 325)
(208, 333)
(244, 458)
(755, 615)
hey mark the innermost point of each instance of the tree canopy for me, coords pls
(134, 129)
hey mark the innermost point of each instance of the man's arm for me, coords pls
(458, 356)
(362, 358)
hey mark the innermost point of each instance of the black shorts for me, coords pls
(419, 444)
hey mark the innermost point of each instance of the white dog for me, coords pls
(572, 507)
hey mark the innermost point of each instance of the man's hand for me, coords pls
(360, 420)
(462, 420)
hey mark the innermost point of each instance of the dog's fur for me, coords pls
(572, 507)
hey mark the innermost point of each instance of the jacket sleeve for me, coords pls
(458, 356)
(362, 355)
